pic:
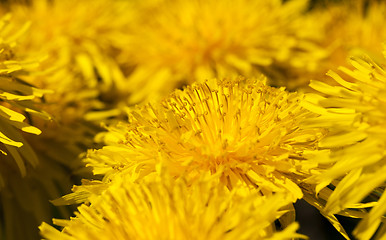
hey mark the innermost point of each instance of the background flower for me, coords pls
(354, 112)
(187, 41)
(73, 57)
(81, 48)
(24, 189)
(16, 98)
(346, 29)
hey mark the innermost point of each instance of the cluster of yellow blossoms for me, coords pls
(201, 119)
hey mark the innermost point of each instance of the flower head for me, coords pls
(243, 129)
(354, 112)
(26, 180)
(82, 72)
(349, 28)
(75, 55)
(80, 51)
(18, 100)
(174, 210)
(185, 41)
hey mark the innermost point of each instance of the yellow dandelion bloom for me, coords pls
(187, 40)
(79, 69)
(166, 209)
(80, 47)
(354, 111)
(362, 23)
(26, 180)
(245, 130)
(18, 101)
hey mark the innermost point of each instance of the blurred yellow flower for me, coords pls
(75, 52)
(80, 47)
(174, 209)
(18, 101)
(184, 41)
(355, 112)
(26, 180)
(362, 23)
(79, 67)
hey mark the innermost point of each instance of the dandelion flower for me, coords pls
(187, 40)
(18, 101)
(80, 69)
(174, 210)
(243, 129)
(362, 25)
(80, 49)
(250, 134)
(78, 66)
(354, 112)
(26, 181)
(82, 72)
